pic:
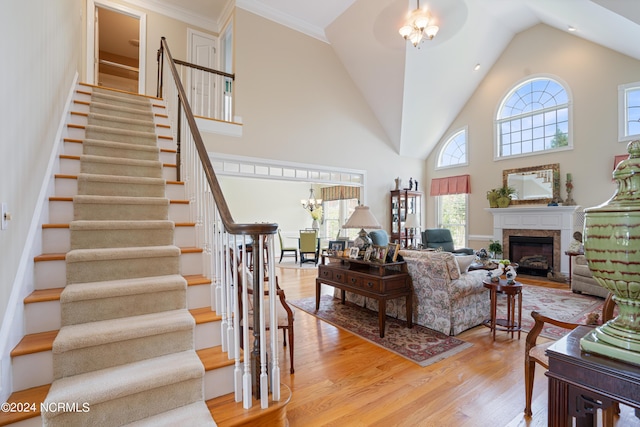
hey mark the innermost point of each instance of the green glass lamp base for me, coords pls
(610, 341)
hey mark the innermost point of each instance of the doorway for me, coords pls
(115, 47)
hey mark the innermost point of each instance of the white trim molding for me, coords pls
(537, 218)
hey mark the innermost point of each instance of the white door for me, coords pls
(203, 85)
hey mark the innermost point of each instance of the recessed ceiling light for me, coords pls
(477, 67)
(571, 28)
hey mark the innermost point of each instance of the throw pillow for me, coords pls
(464, 261)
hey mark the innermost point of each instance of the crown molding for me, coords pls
(282, 18)
(179, 13)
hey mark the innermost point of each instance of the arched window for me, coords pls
(535, 116)
(454, 151)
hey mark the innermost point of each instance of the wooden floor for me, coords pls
(343, 380)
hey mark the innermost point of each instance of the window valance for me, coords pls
(340, 192)
(460, 184)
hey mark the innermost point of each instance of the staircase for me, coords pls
(120, 328)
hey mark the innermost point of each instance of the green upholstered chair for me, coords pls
(284, 249)
(379, 237)
(441, 238)
(309, 244)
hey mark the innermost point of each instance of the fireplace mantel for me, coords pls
(537, 217)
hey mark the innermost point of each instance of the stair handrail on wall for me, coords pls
(224, 241)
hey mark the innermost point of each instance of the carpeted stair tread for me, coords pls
(114, 185)
(120, 225)
(119, 149)
(95, 265)
(102, 254)
(120, 200)
(97, 333)
(121, 111)
(196, 414)
(112, 288)
(119, 179)
(117, 122)
(124, 381)
(118, 99)
(95, 301)
(119, 233)
(91, 207)
(120, 166)
(120, 135)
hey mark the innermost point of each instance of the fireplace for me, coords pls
(533, 254)
(556, 222)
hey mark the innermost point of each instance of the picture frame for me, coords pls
(392, 251)
(336, 247)
(367, 253)
(379, 254)
(354, 251)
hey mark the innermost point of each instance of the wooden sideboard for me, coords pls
(378, 281)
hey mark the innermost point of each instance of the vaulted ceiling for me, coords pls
(416, 93)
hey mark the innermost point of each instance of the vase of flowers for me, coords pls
(316, 215)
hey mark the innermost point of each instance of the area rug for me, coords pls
(418, 344)
(556, 303)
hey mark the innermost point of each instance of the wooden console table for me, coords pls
(580, 383)
(378, 281)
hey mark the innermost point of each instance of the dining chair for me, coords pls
(285, 315)
(309, 244)
(284, 249)
(536, 353)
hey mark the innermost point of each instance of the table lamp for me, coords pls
(411, 224)
(362, 218)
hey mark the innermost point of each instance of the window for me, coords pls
(454, 151)
(451, 213)
(629, 111)
(534, 117)
(336, 213)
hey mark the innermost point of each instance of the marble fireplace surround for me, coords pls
(537, 221)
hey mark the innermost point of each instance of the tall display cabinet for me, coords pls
(404, 202)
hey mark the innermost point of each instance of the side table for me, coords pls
(571, 255)
(511, 291)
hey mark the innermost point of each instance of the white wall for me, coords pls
(40, 41)
(592, 74)
(298, 104)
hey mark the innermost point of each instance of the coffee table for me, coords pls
(510, 325)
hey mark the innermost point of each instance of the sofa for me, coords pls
(582, 281)
(444, 299)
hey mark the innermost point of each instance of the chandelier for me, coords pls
(419, 26)
(312, 203)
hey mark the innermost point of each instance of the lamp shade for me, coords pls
(362, 218)
(412, 221)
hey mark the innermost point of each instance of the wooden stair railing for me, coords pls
(222, 240)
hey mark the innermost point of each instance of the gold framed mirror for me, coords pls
(533, 185)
